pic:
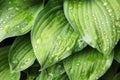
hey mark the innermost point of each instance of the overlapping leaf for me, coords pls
(53, 39)
(5, 73)
(88, 64)
(96, 20)
(17, 16)
(55, 72)
(21, 54)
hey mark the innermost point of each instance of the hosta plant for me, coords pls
(59, 40)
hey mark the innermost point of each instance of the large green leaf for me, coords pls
(21, 54)
(88, 64)
(17, 16)
(5, 73)
(53, 39)
(55, 72)
(96, 21)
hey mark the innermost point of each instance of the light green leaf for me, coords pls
(96, 21)
(5, 73)
(17, 16)
(53, 39)
(88, 64)
(55, 72)
(21, 54)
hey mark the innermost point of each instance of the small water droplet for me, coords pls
(78, 64)
(50, 74)
(9, 2)
(109, 10)
(17, 8)
(15, 61)
(105, 3)
(1, 28)
(10, 8)
(38, 41)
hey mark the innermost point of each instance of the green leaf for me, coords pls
(53, 39)
(5, 73)
(117, 53)
(96, 21)
(55, 72)
(17, 16)
(21, 54)
(88, 64)
(110, 74)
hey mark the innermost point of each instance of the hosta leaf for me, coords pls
(53, 39)
(17, 16)
(21, 54)
(88, 64)
(117, 53)
(96, 21)
(110, 74)
(5, 73)
(55, 72)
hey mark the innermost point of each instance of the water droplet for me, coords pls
(38, 41)
(105, 3)
(68, 48)
(27, 61)
(15, 61)
(17, 8)
(109, 10)
(50, 74)
(10, 8)
(9, 2)
(78, 64)
(1, 28)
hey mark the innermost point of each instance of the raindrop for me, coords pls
(38, 41)
(15, 61)
(1, 28)
(9, 2)
(68, 48)
(105, 3)
(50, 74)
(17, 8)
(109, 10)
(10, 8)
